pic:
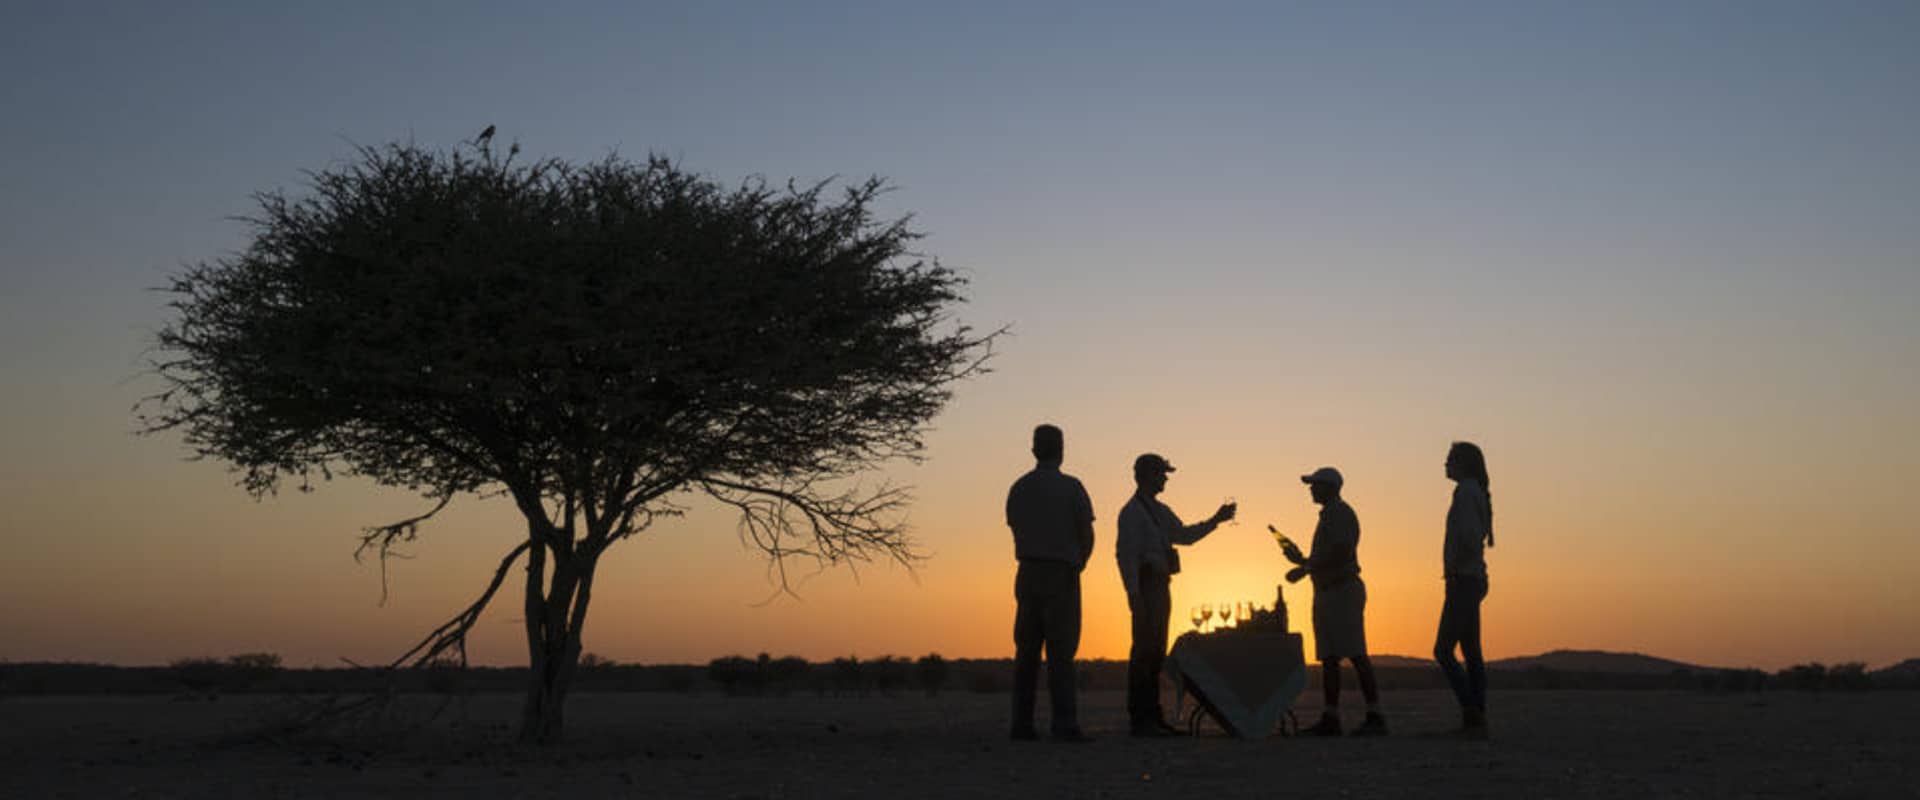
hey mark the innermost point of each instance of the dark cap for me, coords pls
(1151, 462)
(1326, 475)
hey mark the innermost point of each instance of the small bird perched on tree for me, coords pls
(484, 137)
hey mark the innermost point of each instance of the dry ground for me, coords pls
(1546, 744)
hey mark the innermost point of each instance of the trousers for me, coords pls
(1046, 617)
(1152, 605)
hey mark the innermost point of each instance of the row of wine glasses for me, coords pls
(1226, 615)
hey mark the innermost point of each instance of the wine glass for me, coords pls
(1226, 614)
(1246, 612)
(1198, 618)
(1206, 613)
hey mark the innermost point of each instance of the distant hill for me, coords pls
(1391, 662)
(1591, 661)
(1906, 670)
(1596, 661)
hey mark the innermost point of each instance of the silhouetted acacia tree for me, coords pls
(597, 342)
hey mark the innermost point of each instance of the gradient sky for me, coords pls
(1661, 260)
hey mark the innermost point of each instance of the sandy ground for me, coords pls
(1546, 744)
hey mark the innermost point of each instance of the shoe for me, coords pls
(1074, 736)
(1375, 725)
(1329, 725)
(1473, 724)
(1473, 727)
(1024, 735)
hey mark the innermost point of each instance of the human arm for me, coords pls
(1182, 533)
(1084, 517)
(1127, 550)
(1287, 547)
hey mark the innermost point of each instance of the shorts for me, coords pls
(1339, 620)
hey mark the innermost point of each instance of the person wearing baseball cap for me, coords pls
(1339, 602)
(1148, 532)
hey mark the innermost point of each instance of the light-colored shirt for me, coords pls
(1147, 538)
(1335, 556)
(1051, 516)
(1469, 519)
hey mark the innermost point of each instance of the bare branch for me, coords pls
(383, 537)
(453, 633)
(800, 521)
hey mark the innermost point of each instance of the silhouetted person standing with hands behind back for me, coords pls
(1052, 521)
(1148, 532)
(1339, 603)
(1469, 533)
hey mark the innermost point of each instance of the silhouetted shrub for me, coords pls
(848, 675)
(931, 671)
(247, 669)
(787, 672)
(445, 675)
(1805, 677)
(1850, 676)
(199, 676)
(1731, 680)
(595, 661)
(735, 674)
(890, 673)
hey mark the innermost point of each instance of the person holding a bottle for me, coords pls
(1339, 602)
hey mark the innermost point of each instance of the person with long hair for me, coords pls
(1469, 533)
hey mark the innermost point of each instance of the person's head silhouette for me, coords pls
(1324, 484)
(1465, 462)
(1049, 445)
(1150, 473)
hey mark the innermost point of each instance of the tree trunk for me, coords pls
(543, 719)
(556, 612)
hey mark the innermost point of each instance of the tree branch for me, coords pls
(383, 537)
(454, 632)
(845, 528)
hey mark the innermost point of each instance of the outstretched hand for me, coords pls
(1294, 575)
(1226, 512)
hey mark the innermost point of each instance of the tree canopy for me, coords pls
(593, 341)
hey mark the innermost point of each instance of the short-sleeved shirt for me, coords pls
(1336, 545)
(1047, 510)
(1148, 531)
